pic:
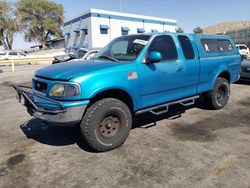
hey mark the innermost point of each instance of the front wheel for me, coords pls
(106, 124)
(218, 97)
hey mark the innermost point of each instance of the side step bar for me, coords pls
(185, 102)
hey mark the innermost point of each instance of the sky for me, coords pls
(188, 13)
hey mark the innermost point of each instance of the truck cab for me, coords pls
(133, 74)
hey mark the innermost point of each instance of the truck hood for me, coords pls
(65, 71)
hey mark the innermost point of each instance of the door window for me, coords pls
(166, 46)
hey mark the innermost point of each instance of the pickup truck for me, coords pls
(133, 74)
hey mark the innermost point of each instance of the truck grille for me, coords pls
(40, 86)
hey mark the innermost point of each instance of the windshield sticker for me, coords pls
(140, 41)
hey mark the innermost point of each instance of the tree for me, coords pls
(8, 24)
(40, 19)
(198, 30)
(179, 30)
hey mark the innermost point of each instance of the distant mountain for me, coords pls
(226, 26)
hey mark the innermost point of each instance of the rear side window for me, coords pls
(186, 47)
(217, 45)
(225, 45)
(166, 46)
(210, 45)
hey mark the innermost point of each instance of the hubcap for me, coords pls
(110, 126)
(221, 94)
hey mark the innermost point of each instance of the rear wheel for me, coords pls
(218, 97)
(106, 124)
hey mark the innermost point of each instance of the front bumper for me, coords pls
(244, 75)
(56, 115)
(72, 116)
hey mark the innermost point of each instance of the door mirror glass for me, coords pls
(154, 57)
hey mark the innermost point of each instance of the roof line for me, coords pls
(120, 14)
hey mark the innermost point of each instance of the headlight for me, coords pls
(67, 90)
(57, 90)
(71, 90)
(243, 69)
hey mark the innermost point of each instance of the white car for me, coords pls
(12, 54)
(243, 49)
(81, 53)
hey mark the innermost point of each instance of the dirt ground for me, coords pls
(188, 147)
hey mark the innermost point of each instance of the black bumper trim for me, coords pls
(27, 95)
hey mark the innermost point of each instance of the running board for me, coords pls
(185, 102)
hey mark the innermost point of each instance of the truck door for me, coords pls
(190, 59)
(162, 81)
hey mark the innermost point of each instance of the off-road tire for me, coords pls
(218, 97)
(92, 124)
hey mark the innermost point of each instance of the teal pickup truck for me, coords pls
(133, 74)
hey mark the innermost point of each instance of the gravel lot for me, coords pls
(202, 148)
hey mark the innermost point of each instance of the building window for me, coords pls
(140, 30)
(84, 29)
(124, 33)
(104, 29)
(154, 30)
(77, 35)
(125, 30)
(67, 37)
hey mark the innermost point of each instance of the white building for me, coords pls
(95, 28)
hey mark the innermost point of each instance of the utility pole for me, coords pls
(120, 1)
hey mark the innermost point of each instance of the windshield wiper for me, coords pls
(107, 57)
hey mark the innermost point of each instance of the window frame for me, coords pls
(194, 55)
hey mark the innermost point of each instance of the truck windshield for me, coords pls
(125, 48)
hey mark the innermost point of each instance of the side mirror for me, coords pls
(154, 57)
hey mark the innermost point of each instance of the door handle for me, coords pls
(179, 69)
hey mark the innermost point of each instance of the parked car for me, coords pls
(133, 74)
(245, 70)
(243, 49)
(12, 54)
(81, 53)
(2, 53)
